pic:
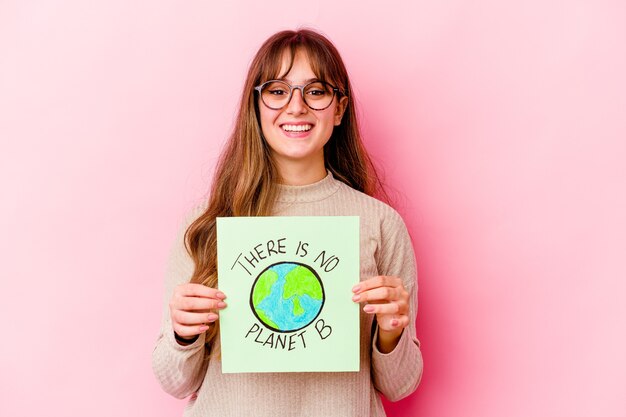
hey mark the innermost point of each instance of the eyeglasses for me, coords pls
(276, 94)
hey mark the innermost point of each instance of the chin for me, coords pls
(295, 155)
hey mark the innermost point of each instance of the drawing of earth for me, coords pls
(287, 296)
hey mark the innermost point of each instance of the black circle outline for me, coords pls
(312, 320)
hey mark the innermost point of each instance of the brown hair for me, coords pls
(245, 181)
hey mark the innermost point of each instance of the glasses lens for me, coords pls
(318, 95)
(275, 94)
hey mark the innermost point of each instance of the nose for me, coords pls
(296, 104)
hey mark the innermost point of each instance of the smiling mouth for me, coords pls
(297, 128)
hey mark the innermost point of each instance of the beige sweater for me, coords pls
(385, 248)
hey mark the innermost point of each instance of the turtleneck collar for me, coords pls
(310, 192)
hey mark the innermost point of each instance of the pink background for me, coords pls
(502, 129)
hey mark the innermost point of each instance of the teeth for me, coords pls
(297, 128)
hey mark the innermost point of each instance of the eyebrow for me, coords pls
(305, 81)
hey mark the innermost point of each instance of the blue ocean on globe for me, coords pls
(287, 296)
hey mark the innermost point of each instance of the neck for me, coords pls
(301, 172)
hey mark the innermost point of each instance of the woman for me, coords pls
(295, 150)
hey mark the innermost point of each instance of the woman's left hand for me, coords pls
(386, 297)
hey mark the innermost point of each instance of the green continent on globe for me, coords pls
(297, 308)
(300, 281)
(263, 286)
(265, 319)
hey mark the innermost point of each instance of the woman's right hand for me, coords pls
(193, 307)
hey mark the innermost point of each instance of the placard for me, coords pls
(288, 282)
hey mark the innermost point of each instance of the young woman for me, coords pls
(295, 150)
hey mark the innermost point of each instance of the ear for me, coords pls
(340, 109)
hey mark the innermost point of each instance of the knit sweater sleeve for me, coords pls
(398, 373)
(179, 369)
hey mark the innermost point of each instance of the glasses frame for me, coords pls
(259, 89)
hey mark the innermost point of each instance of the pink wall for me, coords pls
(501, 126)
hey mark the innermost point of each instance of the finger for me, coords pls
(190, 331)
(196, 303)
(198, 290)
(400, 322)
(185, 318)
(392, 323)
(376, 282)
(388, 308)
(377, 294)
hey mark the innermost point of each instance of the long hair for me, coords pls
(245, 180)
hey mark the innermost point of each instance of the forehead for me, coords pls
(297, 69)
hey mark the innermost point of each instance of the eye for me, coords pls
(316, 92)
(277, 92)
(276, 88)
